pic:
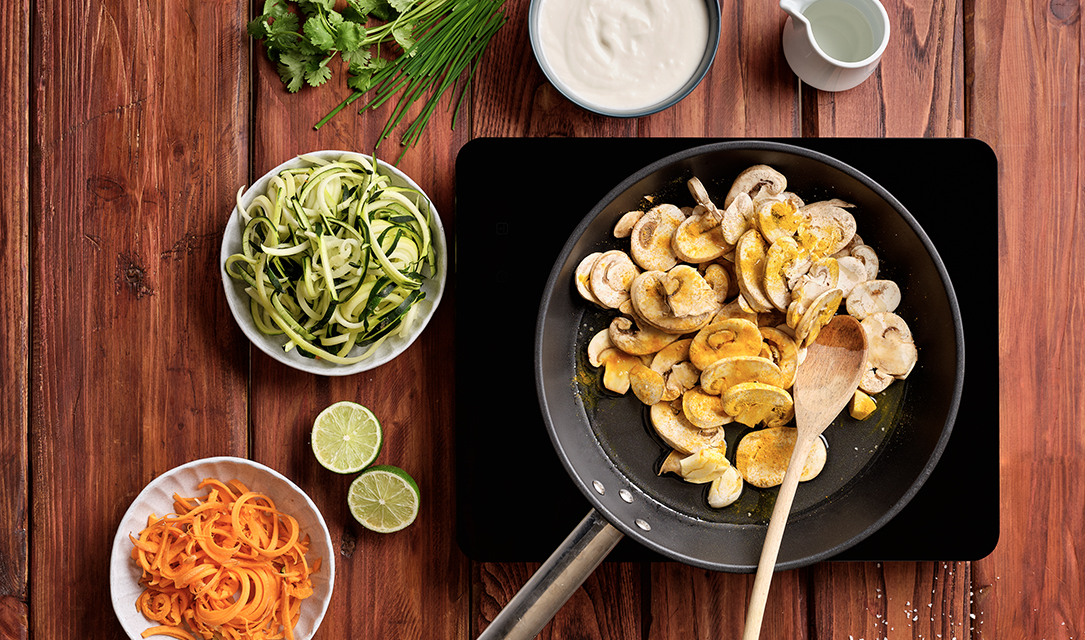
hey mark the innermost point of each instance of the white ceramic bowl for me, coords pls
(273, 345)
(157, 497)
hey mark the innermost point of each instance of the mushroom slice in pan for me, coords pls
(737, 218)
(717, 277)
(650, 241)
(679, 434)
(861, 405)
(819, 314)
(762, 456)
(726, 489)
(868, 257)
(735, 309)
(704, 466)
(686, 292)
(646, 384)
(826, 229)
(891, 352)
(852, 272)
(650, 302)
(700, 237)
(785, 263)
(624, 227)
(723, 338)
(583, 277)
(824, 274)
(682, 378)
(752, 403)
(611, 276)
(783, 352)
(670, 355)
(617, 366)
(599, 343)
(753, 180)
(638, 339)
(779, 219)
(750, 256)
(671, 464)
(728, 372)
(703, 410)
(873, 296)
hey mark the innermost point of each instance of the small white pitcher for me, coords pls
(834, 45)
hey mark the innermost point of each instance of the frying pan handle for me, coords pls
(555, 581)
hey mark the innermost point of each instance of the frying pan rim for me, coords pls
(596, 500)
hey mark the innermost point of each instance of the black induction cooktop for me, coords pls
(518, 200)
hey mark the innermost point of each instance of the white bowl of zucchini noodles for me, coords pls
(333, 262)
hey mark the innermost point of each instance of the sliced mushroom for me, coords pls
(824, 274)
(650, 300)
(599, 343)
(873, 296)
(866, 255)
(724, 338)
(646, 384)
(583, 277)
(728, 372)
(700, 237)
(781, 350)
(625, 225)
(852, 272)
(686, 292)
(750, 269)
(638, 339)
(861, 405)
(718, 277)
(682, 378)
(672, 354)
(735, 309)
(753, 180)
(762, 456)
(704, 465)
(752, 403)
(819, 314)
(679, 434)
(779, 219)
(650, 242)
(617, 366)
(785, 263)
(737, 218)
(703, 410)
(891, 352)
(670, 463)
(726, 489)
(611, 276)
(826, 229)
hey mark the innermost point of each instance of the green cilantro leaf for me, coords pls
(292, 67)
(320, 33)
(349, 36)
(404, 35)
(318, 74)
(402, 6)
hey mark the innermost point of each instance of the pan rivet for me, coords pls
(643, 524)
(628, 497)
(599, 487)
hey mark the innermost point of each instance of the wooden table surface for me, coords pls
(129, 126)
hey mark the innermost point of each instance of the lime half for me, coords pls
(384, 499)
(346, 437)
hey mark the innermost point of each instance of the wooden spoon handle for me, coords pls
(771, 549)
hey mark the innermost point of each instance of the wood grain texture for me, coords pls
(1026, 94)
(414, 583)
(138, 146)
(14, 321)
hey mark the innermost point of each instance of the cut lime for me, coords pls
(384, 498)
(346, 437)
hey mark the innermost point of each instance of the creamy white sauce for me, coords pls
(623, 54)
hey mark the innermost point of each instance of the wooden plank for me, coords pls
(1026, 96)
(138, 148)
(15, 318)
(412, 583)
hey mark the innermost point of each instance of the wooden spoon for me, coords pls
(826, 381)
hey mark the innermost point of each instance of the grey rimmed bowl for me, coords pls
(711, 46)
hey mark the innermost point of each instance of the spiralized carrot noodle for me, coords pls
(225, 565)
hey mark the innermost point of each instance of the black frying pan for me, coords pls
(606, 444)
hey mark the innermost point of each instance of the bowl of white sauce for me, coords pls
(624, 58)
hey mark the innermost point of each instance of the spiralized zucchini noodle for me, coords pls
(334, 257)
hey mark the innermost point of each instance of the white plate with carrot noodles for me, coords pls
(333, 262)
(224, 546)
